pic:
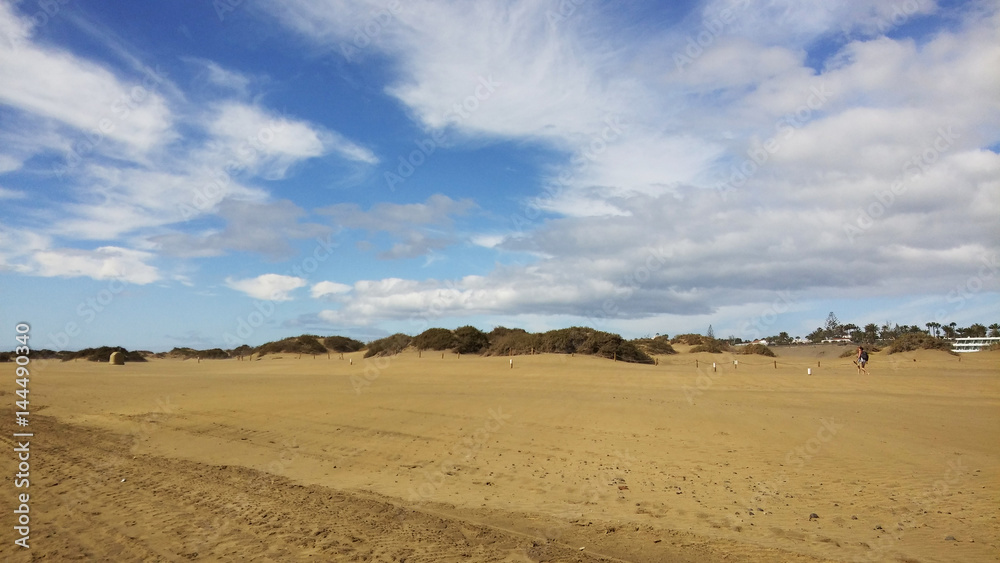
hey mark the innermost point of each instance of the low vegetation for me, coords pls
(434, 339)
(659, 345)
(758, 349)
(388, 346)
(712, 346)
(103, 354)
(919, 341)
(305, 344)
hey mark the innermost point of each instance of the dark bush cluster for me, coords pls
(305, 344)
(659, 345)
(759, 349)
(712, 346)
(389, 345)
(434, 339)
(103, 354)
(919, 341)
(342, 344)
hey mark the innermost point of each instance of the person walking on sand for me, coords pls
(862, 360)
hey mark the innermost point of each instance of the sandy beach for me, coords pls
(558, 458)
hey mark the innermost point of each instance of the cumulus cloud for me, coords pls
(271, 287)
(328, 289)
(103, 263)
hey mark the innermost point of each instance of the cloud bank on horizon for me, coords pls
(366, 167)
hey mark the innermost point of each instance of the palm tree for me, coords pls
(995, 329)
(932, 328)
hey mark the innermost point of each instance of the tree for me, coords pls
(871, 333)
(932, 328)
(949, 329)
(995, 329)
(832, 326)
(711, 333)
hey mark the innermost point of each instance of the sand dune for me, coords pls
(431, 459)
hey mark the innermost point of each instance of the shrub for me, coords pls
(470, 340)
(213, 354)
(342, 344)
(518, 341)
(921, 341)
(389, 345)
(305, 344)
(103, 354)
(757, 349)
(712, 346)
(659, 345)
(434, 339)
(689, 339)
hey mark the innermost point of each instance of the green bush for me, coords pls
(103, 354)
(712, 346)
(305, 344)
(659, 345)
(389, 345)
(689, 339)
(434, 339)
(759, 349)
(504, 341)
(915, 341)
(470, 340)
(342, 344)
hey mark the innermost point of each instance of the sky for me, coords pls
(216, 173)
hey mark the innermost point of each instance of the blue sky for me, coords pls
(210, 174)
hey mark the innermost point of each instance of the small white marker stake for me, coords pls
(809, 371)
(512, 363)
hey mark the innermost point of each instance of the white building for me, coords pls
(973, 343)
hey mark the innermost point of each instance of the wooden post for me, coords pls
(512, 363)
(352, 361)
(614, 356)
(442, 355)
(713, 366)
(817, 364)
(736, 364)
(775, 364)
(696, 363)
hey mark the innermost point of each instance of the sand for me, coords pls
(558, 459)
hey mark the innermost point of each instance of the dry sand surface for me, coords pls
(558, 459)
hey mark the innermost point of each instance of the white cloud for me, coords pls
(272, 287)
(106, 262)
(48, 83)
(11, 194)
(328, 289)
